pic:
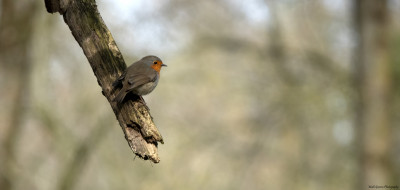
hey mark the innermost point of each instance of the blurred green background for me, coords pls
(258, 94)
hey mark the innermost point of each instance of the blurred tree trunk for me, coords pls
(16, 26)
(372, 82)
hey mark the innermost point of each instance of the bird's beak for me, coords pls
(163, 65)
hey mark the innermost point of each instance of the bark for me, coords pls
(372, 82)
(89, 30)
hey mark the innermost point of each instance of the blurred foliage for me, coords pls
(257, 94)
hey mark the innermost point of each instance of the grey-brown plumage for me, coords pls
(139, 78)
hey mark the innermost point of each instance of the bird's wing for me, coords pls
(137, 80)
(131, 70)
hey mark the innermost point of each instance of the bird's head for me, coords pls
(154, 62)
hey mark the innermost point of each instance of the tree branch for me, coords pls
(89, 30)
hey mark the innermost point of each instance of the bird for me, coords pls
(140, 78)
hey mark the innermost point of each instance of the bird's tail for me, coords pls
(120, 96)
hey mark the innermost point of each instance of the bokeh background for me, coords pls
(258, 94)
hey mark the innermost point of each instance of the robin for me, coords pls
(140, 78)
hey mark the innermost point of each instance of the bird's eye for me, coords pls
(155, 62)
